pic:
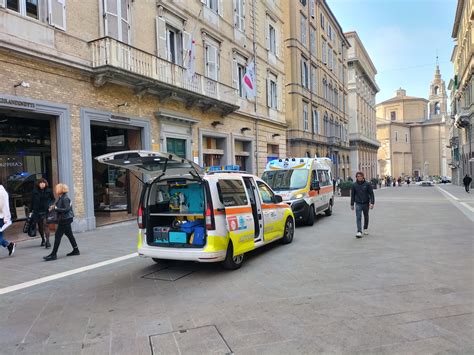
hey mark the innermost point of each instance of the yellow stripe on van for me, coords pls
(139, 237)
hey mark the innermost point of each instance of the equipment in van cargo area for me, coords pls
(161, 235)
(178, 237)
(190, 196)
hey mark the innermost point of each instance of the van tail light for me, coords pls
(141, 225)
(210, 223)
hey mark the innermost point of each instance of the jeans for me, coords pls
(362, 208)
(3, 241)
(63, 229)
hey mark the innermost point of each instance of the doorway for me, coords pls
(116, 191)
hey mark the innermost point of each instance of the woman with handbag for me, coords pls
(63, 208)
(42, 199)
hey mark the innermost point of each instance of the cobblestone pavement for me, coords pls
(408, 287)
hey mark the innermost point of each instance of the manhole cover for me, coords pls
(170, 273)
(202, 340)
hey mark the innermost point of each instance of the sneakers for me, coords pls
(75, 251)
(366, 232)
(359, 235)
(11, 248)
(50, 257)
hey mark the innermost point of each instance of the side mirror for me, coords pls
(315, 186)
(277, 199)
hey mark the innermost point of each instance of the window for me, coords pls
(325, 89)
(53, 11)
(437, 108)
(321, 17)
(336, 98)
(212, 60)
(312, 40)
(272, 38)
(240, 72)
(396, 136)
(406, 137)
(311, 8)
(326, 124)
(25, 7)
(436, 90)
(330, 32)
(212, 4)
(304, 72)
(303, 2)
(315, 118)
(323, 178)
(265, 192)
(330, 61)
(305, 116)
(393, 115)
(174, 45)
(323, 51)
(239, 14)
(334, 62)
(303, 29)
(272, 95)
(117, 24)
(232, 193)
(314, 79)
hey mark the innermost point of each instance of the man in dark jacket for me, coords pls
(363, 197)
(467, 182)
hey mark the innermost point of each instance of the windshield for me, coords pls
(286, 179)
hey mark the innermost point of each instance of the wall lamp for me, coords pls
(276, 135)
(23, 84)
(126, 104)
(242, 130)
(216, 123)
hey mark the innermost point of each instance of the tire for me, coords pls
(232, 262)
(329, 210)
(311, 216)
(289, 231)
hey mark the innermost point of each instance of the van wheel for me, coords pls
(329, 210)
(232, 262)
(311, 216)
(289, 231)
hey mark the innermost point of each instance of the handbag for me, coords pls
(32, 230)
(27, 224)
(53, 217)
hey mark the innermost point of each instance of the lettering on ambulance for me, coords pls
(271, 225)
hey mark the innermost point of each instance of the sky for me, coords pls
(403, 38)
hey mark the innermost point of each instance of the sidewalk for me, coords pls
(101, 244)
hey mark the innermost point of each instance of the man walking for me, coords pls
(5, 219)
(467, 182)
(363, 197)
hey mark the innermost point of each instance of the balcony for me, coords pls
(119, 63)
(336, 141)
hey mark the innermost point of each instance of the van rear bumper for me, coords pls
(181, 254)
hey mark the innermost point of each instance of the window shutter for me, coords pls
(236, 13)
(235, 74)
(311, 8)
(204, 2)
(269, 98)
(161, 38)
(125, 24)
(279, 93)
(267, 35)
(111, 18)
(56, 13)
(220, 9)
(319, 122)
(211, 52)
(186, 40)
(278, 36)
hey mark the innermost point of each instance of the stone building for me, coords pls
(362, 89)
(83, 78)
(316, 83)
(461, 138)
(412, 133)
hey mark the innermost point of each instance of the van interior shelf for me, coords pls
(170, 213)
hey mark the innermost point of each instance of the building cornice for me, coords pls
(457, 18)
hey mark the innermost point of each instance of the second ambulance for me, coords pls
(304, 183)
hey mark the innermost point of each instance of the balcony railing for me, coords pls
(110, 53)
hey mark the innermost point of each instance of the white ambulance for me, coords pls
(304, 183)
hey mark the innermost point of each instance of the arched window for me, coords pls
(326, 124)
(437, 108)
(331, 127)
(436, 90)
(330, 93)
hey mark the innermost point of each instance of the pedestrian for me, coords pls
(334, 185)
(350, 179)
(5, 219)
(363, 197)
(467, 182)
(408, 182)
(63, 207)
(42, 199)
(399, 180)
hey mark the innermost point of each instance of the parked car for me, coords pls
(185, 214)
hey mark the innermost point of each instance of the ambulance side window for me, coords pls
(265, 193)
(323, 178)
(232, 192)
(328, 178)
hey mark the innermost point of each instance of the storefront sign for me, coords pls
(16, 103)
(12, 164)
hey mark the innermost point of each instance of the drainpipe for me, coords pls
(256, 91)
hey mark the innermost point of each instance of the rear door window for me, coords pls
(232, 192)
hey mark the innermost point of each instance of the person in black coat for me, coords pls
(63, 207)
(363, 197)
(467, 182)
(42, 199)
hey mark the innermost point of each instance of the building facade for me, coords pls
(84, 78)
(362, 89)
(316, 84)
(462, 94)
(413, 138)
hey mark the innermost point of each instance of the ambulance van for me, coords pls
(304, 183)
(185, 214)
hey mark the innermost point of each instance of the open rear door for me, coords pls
(153, 164)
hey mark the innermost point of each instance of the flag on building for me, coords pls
(248, 81)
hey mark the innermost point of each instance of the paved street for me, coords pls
(408, 287)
